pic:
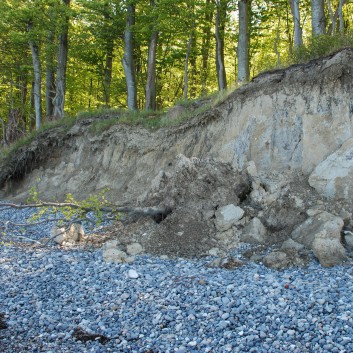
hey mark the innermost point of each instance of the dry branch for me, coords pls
(146, 211)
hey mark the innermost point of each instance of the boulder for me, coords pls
(134, 249)
(284, 258)
(333, 177)
(322, 234)
(113, 254)
(291, 244)
(254, 233)
(227, 216)
(276, 260)
(75, 234)
(58, 235)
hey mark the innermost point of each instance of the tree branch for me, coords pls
(146, 211)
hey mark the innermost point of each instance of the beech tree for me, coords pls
(318, 21)
(298, 33)
(151, 64)
(128, 58)
(60, 83)
(243, 42)
(37, 72)
(221, 14)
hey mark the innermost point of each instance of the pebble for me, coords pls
(132, 274)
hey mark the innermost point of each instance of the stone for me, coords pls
(114, 255)
(330, 252)
(254, 233)
(134, 249)
(110, 244)
(227, 216)
(132, 274)
(291, 244)
(276, 260)
(213, 251)
(322, 233)
(333, 177)
(58, 235)
(228, 239)
(76, 233)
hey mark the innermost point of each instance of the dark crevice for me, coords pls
(161, 216)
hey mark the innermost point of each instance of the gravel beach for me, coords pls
(167, 305)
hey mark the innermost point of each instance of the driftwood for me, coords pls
(143, 211)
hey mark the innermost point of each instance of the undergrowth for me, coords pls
(314, 48)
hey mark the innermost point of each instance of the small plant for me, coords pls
(321, 46)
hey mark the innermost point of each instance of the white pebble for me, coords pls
(132, 274)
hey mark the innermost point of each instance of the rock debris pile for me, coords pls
(216, 208)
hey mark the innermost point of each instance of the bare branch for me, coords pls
(147, 211)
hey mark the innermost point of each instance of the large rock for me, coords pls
(322, 234)
(227, 216)
(254, 233)
(74, 234)
(333, 177)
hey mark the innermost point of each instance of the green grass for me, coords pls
(314, 48)
(322, 46)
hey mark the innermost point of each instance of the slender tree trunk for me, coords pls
(59, 99)
(186, 69)
(193, 64)
(318, 21)
(107, 79)
(335, 16)
(151, 68)
(275, 45)
(219, 34)
(37, 81)
(206, 40)
(340, 12)
(243, 41)
(50, 72)
(49, 91)
(298, 36)
(128, 59)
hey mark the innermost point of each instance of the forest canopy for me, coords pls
(59, 57)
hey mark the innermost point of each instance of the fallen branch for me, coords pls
(146, 211)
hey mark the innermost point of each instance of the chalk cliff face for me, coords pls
(286, 119)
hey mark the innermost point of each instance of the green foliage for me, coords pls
(322, 46)
(74, 211)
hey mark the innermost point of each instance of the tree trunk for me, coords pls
(186, 69)
(50, 73)
(37, 81)
(151, 68)
(49, 91)
(128, 59)
(298, 37)
(206, 40)
(318, 21)
(340, 13)
(59, 99)
(107, 79)
(221, 9)
(243, 41)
